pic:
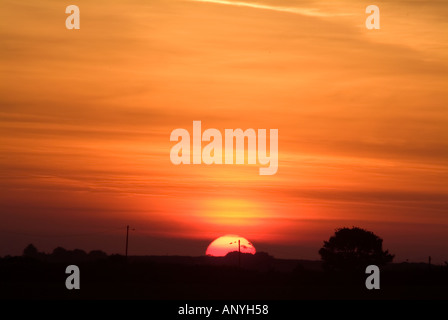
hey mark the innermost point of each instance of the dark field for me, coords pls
(260, 277)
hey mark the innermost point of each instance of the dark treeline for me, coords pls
(60, 254)
(37, 275)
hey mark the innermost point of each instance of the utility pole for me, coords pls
(127, 239)
(239, 251)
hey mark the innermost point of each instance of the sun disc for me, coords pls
(229, 243)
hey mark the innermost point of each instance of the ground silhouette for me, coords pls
(37, 275)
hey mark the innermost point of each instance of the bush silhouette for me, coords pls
(352, 249)
(30, 251)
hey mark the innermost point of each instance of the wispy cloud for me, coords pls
(313, 12)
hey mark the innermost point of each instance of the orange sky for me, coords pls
(86, 116)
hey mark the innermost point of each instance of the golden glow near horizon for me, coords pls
(86, 117)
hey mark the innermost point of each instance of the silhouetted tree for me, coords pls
(59, 251)
(97, 255)
(59, 254)
(77, 254)
(352, 249)
(30, 251)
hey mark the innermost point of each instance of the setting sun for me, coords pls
(229, 243)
